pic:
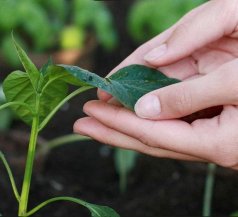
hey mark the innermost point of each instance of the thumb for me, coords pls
(208, 25)
(184, 98)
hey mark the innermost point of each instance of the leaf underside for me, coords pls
(127, 85)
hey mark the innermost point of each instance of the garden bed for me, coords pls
(156, 187)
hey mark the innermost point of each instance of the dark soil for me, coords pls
(156, 187)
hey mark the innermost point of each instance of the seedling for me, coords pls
(36, 95)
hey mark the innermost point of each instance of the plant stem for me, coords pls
(28, 169)
(9, 172)
(66, 139)
(71, 199)
(59, 141)
(209, 185)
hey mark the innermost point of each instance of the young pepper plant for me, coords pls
(36, 95)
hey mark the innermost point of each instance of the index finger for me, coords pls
(137, 57)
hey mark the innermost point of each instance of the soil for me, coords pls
(156, 187)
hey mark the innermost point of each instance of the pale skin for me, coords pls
(201, 50)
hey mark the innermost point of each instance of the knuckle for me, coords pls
(227, 162)
(143, 137)
(182, 102)
(182, 29)
(225, 155)
(227, 12)
(117, 114)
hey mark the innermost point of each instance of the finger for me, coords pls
(137, 57)
(184, 98)
(173, 135)
(220, 133)
(102, 95)
(182, 69)
(114, 101)
(205, 27)
(93, 128)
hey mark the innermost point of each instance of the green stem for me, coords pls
(28, 169)
(10, 176)
(66, 139)
(71, 95)
(5, 105)
(52, 80)
(209, 185)
(71, 199)
(123, 182)
(62, 140)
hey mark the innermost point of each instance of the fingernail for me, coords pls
(156, 53)
(148, 107)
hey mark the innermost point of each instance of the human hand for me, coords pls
(193, 49)
(196, 45)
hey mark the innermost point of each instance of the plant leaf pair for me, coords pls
(40, 90)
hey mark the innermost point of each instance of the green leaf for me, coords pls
(18, 87)
(127, 84)
(30, 68)
(46, 66)
(41, 91)
(101, 211)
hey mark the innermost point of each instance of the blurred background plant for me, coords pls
(46, 26)
(234, 214)
(148, 18)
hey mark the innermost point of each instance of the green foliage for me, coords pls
(28, 19)
(43, 23)
(35, 95)
(127, 84)
(95, 15)
(96, 210)
(125, 161)
(72, 38)
(6, 115)
(101, 211)
(234, 214)
(148, 18)
(7, 10)
(209, 188)
(56, 9)
(29, 87)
